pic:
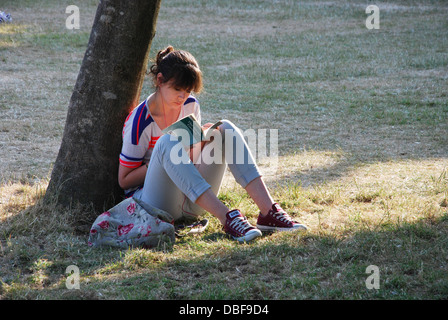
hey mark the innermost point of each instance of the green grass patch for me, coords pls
(362, 156)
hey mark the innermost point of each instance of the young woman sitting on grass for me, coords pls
(188, 187)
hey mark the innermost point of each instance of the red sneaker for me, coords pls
(278, 220)
(239, 227)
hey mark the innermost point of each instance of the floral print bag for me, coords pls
(132, 223)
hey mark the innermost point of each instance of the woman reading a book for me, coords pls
(186, 188)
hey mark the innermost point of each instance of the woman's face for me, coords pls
(172, 96)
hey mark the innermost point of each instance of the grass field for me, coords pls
(362, 117)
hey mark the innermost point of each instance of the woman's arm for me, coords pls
(134, 177)
(131, 177)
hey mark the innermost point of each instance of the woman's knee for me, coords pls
(226, 125)
(169, 148)
(228, 128)
(164, 146)
(165, 142)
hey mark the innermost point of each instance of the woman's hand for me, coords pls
(207, 125)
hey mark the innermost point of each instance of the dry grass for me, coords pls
(362, 157)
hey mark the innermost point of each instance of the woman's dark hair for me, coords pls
(180, 66)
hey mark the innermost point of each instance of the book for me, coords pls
(190, 130)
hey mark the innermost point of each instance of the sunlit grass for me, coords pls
(362, 153)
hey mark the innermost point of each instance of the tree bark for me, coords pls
(107, 88)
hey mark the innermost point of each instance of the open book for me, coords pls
(190, 130)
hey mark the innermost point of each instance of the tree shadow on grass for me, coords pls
(411, 259)
(315, 266)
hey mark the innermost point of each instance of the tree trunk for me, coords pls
(107, 88)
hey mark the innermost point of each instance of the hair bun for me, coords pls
(177, 65)
(162, 53)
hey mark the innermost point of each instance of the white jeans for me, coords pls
(175, 187)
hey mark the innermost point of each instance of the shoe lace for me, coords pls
(240, 224)
(282, 216)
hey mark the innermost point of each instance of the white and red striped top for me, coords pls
(141, 132)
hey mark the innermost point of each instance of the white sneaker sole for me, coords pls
(249, 236)
(297, 227)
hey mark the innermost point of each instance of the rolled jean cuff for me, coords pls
(245, 179)
(196, 191)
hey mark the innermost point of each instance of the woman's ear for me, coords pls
(159, 79)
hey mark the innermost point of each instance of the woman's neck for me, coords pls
(155, 104)
(159, 109)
